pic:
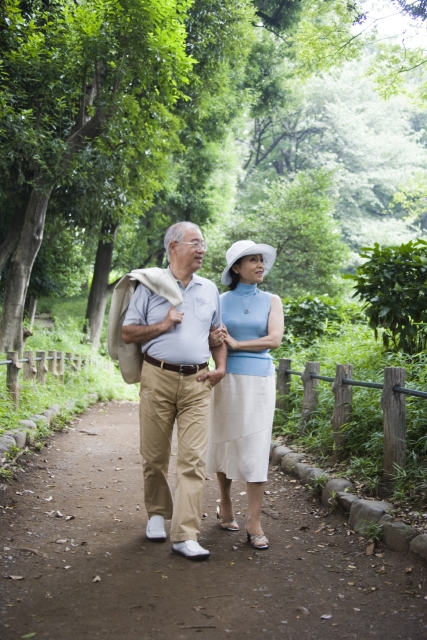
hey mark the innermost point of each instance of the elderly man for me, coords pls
(176, 385)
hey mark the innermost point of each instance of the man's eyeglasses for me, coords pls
(196, 245)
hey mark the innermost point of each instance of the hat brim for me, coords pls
(268, 253)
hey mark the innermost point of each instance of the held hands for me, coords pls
(218, 336)
(173, 317)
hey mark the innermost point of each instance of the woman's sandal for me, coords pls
(257, 541)
(226, 524)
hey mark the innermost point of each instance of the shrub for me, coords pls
(393, 285)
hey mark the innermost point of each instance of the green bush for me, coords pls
(306, 317)
(362, 455)
(393, 285)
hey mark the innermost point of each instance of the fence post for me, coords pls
(343, 397)
(29, 369)
(393, 405)
(12, 376)
(283, 382)
(41, 367)
(309, 401)
(61, 367)
(70, 357)
(52, 363)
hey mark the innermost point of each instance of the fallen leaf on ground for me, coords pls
(230, 563)
(59, 514)
(303, 610)
(28, 636)
(61, 541)
(408, 569)
(70, 517)
(48, 499)
(370, 549)
(326, 616)
(16, 577)
(96, 579)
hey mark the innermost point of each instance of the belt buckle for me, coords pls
(194, 367)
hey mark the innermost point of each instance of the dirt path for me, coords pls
(143, 591)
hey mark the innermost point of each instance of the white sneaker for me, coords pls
(191, 549)
(156, 529)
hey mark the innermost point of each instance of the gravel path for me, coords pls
(72, 530)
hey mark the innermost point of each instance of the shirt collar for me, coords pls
(195, 279)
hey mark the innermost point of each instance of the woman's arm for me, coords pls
(272, 340)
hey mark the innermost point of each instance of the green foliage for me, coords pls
(307, 317)
(373, 531)
(101, 378)
(11, 453)
(296, 218)
(362, 455)
(6, 475)
(393, 285)
(317, 484)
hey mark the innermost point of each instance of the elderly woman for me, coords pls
(243, 402)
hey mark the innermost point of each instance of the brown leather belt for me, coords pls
(183, 369)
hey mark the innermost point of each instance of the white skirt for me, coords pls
(242, 412)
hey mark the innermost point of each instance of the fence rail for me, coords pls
(393, 403)
(36, 365)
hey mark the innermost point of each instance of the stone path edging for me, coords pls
(25, 434)
(363, 514)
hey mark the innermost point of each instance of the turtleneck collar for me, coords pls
(245, 289)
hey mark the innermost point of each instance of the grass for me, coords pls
(361, 458)
(102, 377)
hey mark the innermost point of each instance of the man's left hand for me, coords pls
(214, 376)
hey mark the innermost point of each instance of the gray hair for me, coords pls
(176, 232)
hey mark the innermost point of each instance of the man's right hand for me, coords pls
(173, 317)
(142, 334)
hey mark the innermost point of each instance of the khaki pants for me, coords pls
(167, 396)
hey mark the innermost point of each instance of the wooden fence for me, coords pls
(34, 366)
(392, 402)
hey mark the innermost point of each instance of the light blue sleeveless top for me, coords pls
(247, 326)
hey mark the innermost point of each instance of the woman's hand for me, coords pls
(229, 341)
(216, 336)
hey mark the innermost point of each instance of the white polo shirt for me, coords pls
(185, 343)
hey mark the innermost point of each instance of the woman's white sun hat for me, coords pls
(247, 248)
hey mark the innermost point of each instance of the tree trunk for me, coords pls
(99, 290)
(7, 247)
(30, 309)
(11, 338)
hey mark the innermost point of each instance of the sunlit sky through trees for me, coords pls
(392, 24)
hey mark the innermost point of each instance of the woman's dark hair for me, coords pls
(235, 277)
